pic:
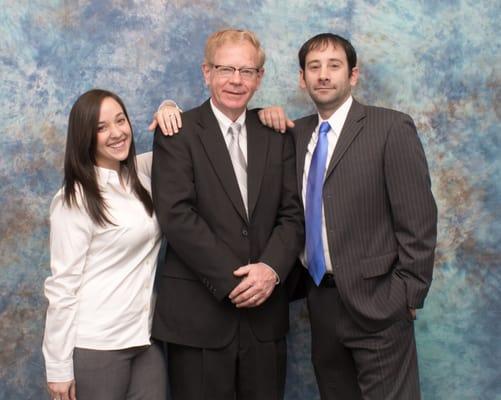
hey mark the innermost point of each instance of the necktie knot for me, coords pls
(324, 128)
(235, 129)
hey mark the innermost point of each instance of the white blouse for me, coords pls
(101, 289)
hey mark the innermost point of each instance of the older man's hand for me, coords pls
(258, 282)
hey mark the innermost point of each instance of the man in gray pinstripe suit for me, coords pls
(378, 230)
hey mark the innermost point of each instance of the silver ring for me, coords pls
(171, 115)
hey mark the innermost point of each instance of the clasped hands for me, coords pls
(257, 284)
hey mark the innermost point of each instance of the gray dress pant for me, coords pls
(354, 364)
(246, 369)
(136, 373)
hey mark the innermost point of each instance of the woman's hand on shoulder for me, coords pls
(168, 118)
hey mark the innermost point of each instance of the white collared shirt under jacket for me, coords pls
(101, 289)
(336, 122)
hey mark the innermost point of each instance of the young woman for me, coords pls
(104, 241)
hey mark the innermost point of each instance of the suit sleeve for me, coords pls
(287, 238)
(174, 198)
(413, 208)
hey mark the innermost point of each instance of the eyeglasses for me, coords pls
(227, 71)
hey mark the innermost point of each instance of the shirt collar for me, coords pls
(338, 118)
(223, 121)
(106, 176)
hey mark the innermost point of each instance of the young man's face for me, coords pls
(327, 78)
(231, 92)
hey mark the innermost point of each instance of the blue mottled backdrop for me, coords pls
(436, 60)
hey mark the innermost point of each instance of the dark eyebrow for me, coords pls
(329, 60)
(120, 114)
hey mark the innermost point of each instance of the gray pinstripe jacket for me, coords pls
(380, 213)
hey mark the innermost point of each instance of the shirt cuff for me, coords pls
(277, 278)
(168, 103)
(59, 371)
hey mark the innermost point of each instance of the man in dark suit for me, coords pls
(370, 248)
(226, 198)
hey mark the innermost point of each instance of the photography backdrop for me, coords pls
(436, 60)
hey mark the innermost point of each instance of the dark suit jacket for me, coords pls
(202, 215)
(380, 213)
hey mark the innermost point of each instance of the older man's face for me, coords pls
(232, 91)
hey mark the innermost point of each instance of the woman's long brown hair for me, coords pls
(80, 158)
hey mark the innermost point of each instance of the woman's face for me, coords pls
(114, 135)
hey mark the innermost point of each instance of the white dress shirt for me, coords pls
(101, 289)
(336, 122)
(224, 124)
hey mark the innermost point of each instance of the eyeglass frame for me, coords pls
(226, 74)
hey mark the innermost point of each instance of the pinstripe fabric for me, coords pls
(351, 363)
(381, 227)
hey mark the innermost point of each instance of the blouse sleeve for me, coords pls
(70, 238)
(144, 163)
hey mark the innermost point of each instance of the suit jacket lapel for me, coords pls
(352, 126)
(257, 153)
(217, 152)
(303, 137)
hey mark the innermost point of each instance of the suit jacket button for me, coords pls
(245, 232)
